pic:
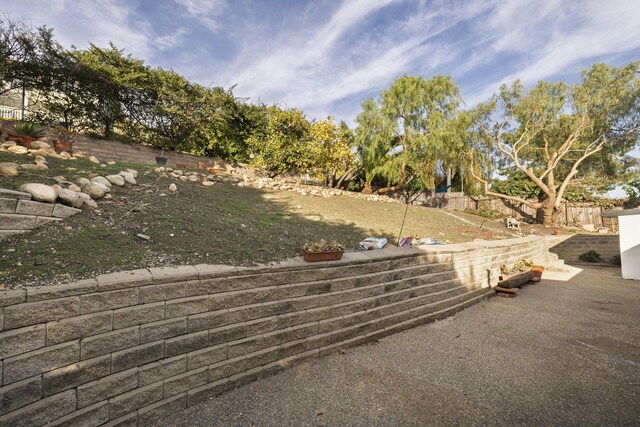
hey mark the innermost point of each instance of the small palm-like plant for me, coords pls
(28, 129)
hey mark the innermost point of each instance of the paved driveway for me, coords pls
(560, 353)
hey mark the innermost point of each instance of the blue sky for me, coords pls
(326, 57)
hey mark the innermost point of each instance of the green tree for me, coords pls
(329, 150)
(282, 145)
(411, 118)
(558, 134)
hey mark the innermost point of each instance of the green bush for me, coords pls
(590, 256)
(615, 260)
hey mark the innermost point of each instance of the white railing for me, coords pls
(11, 114)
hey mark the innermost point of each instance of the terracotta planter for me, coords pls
(201, 165)
(61, 146)
(215, 171)
(322, 256)
(537, 273)
(181, 166)
(23, 140)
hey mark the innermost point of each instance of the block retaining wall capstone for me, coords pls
(19, 214)
(130, 347)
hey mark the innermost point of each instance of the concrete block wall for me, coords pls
(19, 214)
(569, 248)
(127, 348)
(106, 150)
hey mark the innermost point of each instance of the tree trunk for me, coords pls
(367, 188)
(550, 213)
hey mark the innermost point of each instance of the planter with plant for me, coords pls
(64, 139)
(322, 251)
(25, 134)
(161, 160)
(520, 273)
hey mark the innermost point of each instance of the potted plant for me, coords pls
(322, 251)
(162, 160)
(64, 139)
(517, 275)
(537, 272)
(26, 133)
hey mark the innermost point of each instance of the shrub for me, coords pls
(28, 129)
(590, 256)
(323, 246)
(615, 260)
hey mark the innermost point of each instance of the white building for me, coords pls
(629, 226)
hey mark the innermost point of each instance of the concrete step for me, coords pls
(557, 265)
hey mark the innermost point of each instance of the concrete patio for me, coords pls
(563, 352)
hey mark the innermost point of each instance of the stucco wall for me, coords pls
(129, 347)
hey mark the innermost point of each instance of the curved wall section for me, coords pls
(127, 348)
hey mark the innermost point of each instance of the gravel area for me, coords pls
(560, 353)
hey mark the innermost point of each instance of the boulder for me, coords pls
(29, 167)
(18, 149)
(8, 170)
(69, 197)
(87, 200)
(115, 180)
(8, 144)
(132, 172)
(102, 180)
(128, 177)
(75, 188)
(93, 159)
(94, 190)
(173, 188)
(40, 192)
(37, 145)
(64, 155)
(40, 159)
(82, 181)
(78, 154)
(208, 183)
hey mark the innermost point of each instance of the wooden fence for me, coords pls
(572, 214)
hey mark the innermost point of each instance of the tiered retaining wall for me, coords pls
(128, 348)
(18, 213)
(569, 248)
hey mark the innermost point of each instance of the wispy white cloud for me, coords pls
(342, 57)
(560, 36)
(327, 56)
(170, 40)
(77, 22)
(206, 12)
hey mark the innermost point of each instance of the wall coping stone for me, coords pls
(162, 275)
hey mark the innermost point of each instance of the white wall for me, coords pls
(630, 246)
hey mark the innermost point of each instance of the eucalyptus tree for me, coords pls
(558, 134)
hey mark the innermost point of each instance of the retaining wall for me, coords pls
(569, 248)
(127, 348)
(19, 214)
